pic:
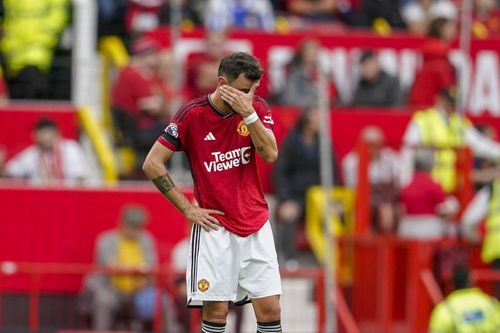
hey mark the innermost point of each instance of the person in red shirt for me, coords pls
(4, 93)
(486, 20)
(425, 205)
(136, 100)
(437, 72)
(232, 254)
(201, 74)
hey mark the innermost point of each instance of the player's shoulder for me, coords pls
(260, 102)
(192, 107)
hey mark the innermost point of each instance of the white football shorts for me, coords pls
(223, 266)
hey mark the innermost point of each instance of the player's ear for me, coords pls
(254, 87)
(221, 80)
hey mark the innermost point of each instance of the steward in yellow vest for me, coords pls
(466, 310)
(444, 132)
(31, 32)
(441, 128)
(485, 205)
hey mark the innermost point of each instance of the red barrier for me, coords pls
(164, 278)
(61, 224)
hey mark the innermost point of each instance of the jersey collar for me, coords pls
(217, 111)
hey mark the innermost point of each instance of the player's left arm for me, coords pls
(262, 138)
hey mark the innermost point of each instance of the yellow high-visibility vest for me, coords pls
(466, 311)
(444, 135)
(31, 31)
(491, 244)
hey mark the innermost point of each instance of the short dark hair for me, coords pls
(435, 28)
(44, 123)
(461, 278)
(366, 55)
(240, 62)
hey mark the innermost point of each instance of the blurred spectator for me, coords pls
(142, 16)
(418, 14)
(297, 169)
(190, 11)
(179, 260)
(51, 159)
(466, 309)
(136, 101)
(243, 14)
(437, 72)
(31, 31)
(484, 168)
(383, 174)
(165, 76)
(111, 17)
(425, 206)
(4, 93)
(443, 129)
(202, 68)
(129, 247)
(485, 205)
(375, 86)
(301, 82)
(486, 23)
(380, 14)
(312, 9)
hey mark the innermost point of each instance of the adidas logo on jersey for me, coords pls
(210, 137)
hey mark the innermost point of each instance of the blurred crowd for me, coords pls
(36, 36)
(132, 17)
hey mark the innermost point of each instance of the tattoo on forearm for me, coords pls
(260, 148)
(164, 183)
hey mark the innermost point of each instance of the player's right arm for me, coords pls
(154, 168)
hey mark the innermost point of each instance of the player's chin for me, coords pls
(226, 104)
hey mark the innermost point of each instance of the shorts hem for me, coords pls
(279, 293)
(242, 301)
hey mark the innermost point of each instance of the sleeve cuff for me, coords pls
(166, 143)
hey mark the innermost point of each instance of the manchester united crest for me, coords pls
(243, 129)
(203, 285)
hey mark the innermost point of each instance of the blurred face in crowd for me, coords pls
(370, 69)
(449, 31)
(150, 60)
(446, 105)
(310, 53)
(311, 127)
(46, 138)
(130, 231)
(485, 5)
(425, 3)
(215, 44)
(374, 137)
(165, 66)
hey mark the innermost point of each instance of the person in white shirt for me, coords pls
(383, 174)
(51, 159)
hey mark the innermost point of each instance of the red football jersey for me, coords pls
(222, 160)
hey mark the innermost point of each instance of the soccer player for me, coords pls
(232, 255)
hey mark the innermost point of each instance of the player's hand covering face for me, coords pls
(240, 99)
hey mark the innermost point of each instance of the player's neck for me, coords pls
(217, 101)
